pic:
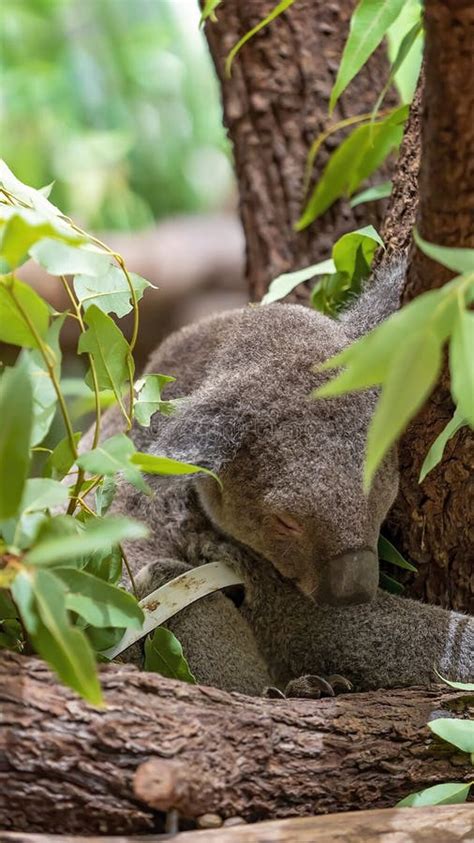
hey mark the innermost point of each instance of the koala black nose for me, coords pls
(348, 579)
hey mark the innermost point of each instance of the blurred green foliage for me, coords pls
(116, 101)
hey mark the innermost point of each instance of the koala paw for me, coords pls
(312, 687)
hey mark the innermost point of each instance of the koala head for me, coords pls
(290, 465)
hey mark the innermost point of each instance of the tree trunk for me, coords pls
(439, 824)
(275, 105)
(69, 768)
(432, 522)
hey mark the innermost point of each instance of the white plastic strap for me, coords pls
(166, 601)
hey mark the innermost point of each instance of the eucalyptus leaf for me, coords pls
(452, 793)
(109, 292)
(435, 453)
(62, 259)
(461, 363)
(16, 405)
(412, 377)
(458, 732)
(42, 493)
(16, 299)
(61, 458)
(355, 159)
(404, 49)
(390, 584)
(99, 603)
(389, 553)
(459, 686)
(369, 23)
(164, 655)
(285, 283)
(97, 533)
(112, 456)
(372, 194)
(109, 349)
(459, 260)
(346, 249)
(149, 400)
(208, 10)
(152, 464)
(44, 393)
(25, 228)
(105, 494)
(58, 642)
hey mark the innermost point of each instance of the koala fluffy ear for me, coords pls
(207, 428)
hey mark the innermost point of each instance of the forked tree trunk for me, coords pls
(68, 768)
(274, 105)
(432, 522)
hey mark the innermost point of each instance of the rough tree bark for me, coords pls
(432, 523)
(275, 104)
(439, 824)
(68, 768)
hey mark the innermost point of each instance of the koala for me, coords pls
(291, 514)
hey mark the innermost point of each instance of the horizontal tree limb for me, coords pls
(67, 767)
(439, 824)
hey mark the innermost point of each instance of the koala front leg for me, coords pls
(217, 641)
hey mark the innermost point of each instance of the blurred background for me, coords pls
(116, 102)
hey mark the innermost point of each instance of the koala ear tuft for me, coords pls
(206, 429)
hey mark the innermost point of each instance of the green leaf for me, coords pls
(345, 250)
(370, 358)
(164, 655)
(22, 230)
(152, 464)
(109, 349)
(41, 493)
(285, 283)
(109, 292)
(459, 686)
(16, 404)
(452, 793)
(61, 459)
(22, 593)
(355, 159)
(15, 297)
(461, 363)
(149, 401)
(97, 533)
(378, 191)
(105, 494)
(208, 10)
(99, 603)
(435, 453)
(105, 565)
(278, 10)
(34, 198)
(412, 376)
(389, 553)
(369, 23)
(44, 393)
(407, 75)
(459, 260)
(458, 732)
(404, 49)
(61, 259)
(112, 456)
(390, 584)
(65, 647)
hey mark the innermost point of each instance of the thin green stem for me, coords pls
(43, 349)
(129, 571)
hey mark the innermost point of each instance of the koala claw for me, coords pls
(311, 686)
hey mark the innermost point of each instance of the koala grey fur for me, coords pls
(292, 516)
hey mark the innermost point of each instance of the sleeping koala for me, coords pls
(291, 514)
